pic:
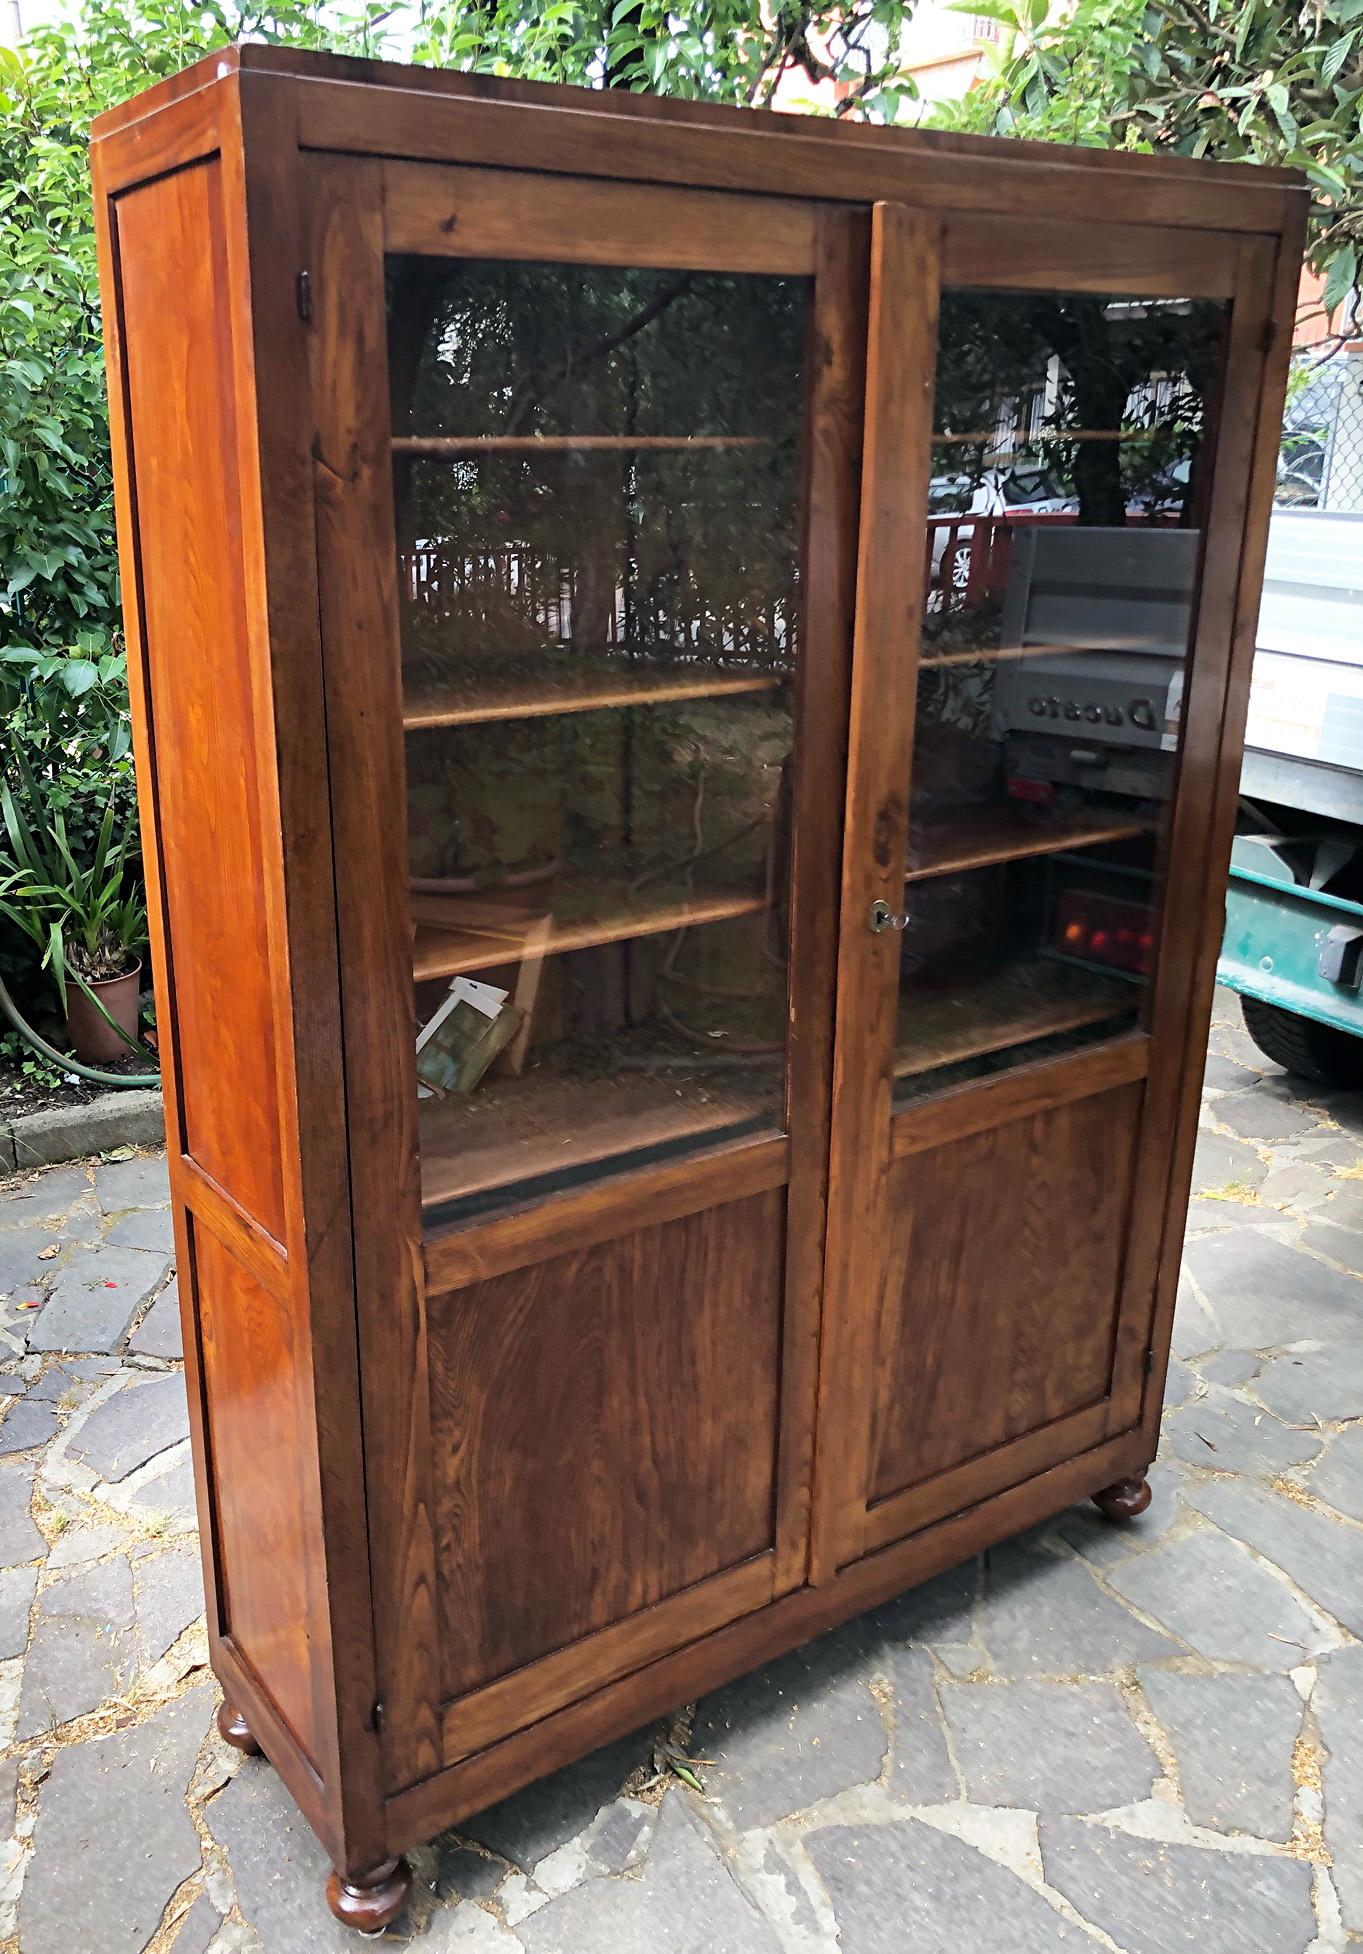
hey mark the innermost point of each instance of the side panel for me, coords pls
(260, 1495)
(256, 1225)
(184, 427)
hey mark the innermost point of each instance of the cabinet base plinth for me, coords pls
(1124, 1500)
(371, 1903)
(234, 1730)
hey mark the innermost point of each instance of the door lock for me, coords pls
(884, 918)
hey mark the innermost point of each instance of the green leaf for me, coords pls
(1277, 98)
(78, 675)
(1336, 56)
(1007, 14)
(1340, 277)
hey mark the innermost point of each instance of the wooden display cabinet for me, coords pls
(749, 619)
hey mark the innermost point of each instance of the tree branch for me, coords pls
(528, 394)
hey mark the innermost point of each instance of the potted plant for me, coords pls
(87, 920)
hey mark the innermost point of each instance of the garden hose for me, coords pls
(67, 1064)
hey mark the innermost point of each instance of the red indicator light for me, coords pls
(1104, 929)
(1040, 792)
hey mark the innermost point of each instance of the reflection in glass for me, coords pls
(1071, 454)
(596, 479)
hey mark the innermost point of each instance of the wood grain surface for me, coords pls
(604, 1427)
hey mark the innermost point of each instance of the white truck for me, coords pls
(1293, 946)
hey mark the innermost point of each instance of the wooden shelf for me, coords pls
(541, 694)
(996, 834)
(1005, 654)
(520, 1130)
(577, 914)
(442, 446)
(985, 437)
(1034, 998)
(999, 655)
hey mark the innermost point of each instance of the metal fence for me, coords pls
(520, 589)
(1320, 466)
(1320, 463)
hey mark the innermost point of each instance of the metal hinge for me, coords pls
(1149, 1361)
(304, 293)
(378, 1717)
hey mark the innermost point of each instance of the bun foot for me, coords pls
(1123, 1500)
(370, 1903)
(233, 1729)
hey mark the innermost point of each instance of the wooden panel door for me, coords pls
(587, 472)
(1052, 518)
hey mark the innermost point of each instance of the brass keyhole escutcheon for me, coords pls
(884, 918)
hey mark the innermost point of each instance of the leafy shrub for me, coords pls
(67, 775)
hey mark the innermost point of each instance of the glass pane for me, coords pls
(597, 478)
(1070, 464)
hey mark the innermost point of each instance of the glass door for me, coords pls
(586, 468)
(1037, 711)
(597, 486)
(1071, 463)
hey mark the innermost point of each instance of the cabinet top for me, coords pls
(384, 107)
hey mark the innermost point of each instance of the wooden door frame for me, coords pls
(1277, 262)
(1041, 254)
(1191, 907)
(901, 351)
(359, 211)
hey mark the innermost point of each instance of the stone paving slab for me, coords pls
(1152, 1897)
(98, 1293)
(1093, 1757)
(686, 1898)
(911, 1885)
(1314, 1548)
(1307, 1385)
(921, 1769)
(1045, 1615)
(83, 1652)
(115, 1802)
(141, 1419)
(1338, 1705)
(794, 1733)
(1138, 1740)
(28, 1423)
(1232, 1738)
(1336, 1480)
(1220, 1600)
(1222, 1433)
(158, 1334)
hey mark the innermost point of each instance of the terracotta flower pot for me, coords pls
(94, 1041)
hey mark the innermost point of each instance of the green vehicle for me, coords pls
(1293, 946)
